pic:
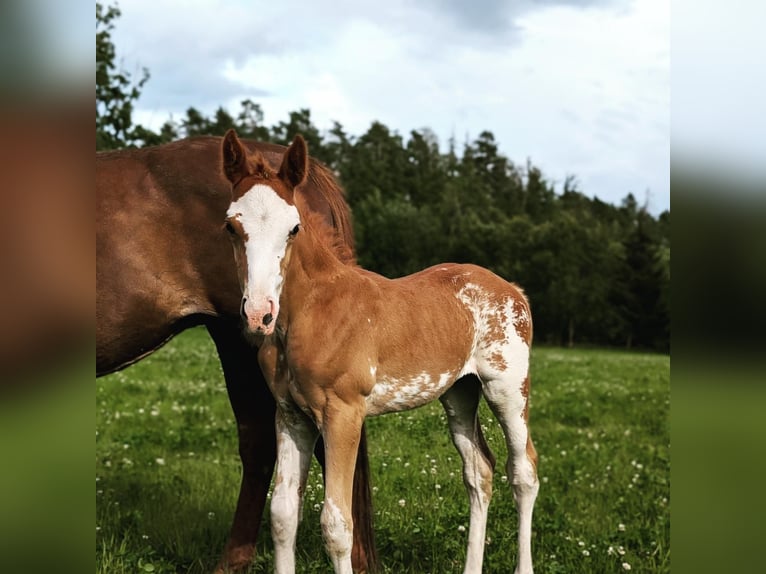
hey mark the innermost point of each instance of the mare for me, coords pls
(342, 343)
(164, 264)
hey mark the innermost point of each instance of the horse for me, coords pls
(340, 343)
(164, 264)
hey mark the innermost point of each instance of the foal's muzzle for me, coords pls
(259, 317)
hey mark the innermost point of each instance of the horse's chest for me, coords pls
(391, 394)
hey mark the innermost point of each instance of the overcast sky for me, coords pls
(580, 87)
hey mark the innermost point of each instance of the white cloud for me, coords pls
(597, 98)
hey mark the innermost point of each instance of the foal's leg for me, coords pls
(296, 436)
(461, 403)
(364, 556)
(341, 430)
(508, 400)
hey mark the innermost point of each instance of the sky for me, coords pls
(579, 87)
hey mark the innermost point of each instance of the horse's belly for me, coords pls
(394, 394)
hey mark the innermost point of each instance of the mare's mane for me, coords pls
(320, 178)
(330, 237)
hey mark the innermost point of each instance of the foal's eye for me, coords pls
(229, 228)
(295, 230)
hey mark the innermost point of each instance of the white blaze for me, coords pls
(267, 219)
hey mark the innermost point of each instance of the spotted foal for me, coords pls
(340, 343)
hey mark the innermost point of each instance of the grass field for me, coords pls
(167, 472)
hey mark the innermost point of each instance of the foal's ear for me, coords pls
(295, 163)
(234, 157)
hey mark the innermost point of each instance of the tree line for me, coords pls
(595, 273)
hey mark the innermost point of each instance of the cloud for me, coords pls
(184, 45)
(599, 97)
(497, 16)
(580, 87)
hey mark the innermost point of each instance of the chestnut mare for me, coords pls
(165, 264)
(341, 343)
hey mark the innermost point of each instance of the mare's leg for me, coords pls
(341, 429)
(254, 409)
(461, 403)
(296, 436)
(508, 399)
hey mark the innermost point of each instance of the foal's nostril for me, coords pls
(242, 308)
(267, 318)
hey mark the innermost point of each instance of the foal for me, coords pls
(450, 332)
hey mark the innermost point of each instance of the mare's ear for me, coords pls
(235, 165)
(295, 163)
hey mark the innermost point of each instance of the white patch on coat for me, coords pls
(511, 350)
(509, 345)
(392, 395)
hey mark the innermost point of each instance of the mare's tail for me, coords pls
(364, 555)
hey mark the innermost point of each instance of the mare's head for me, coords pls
(262, 221)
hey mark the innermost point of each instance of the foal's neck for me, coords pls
(312, 266)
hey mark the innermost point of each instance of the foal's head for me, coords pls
(262, 221)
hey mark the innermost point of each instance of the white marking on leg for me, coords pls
(295, 442)
(525, 495)
(502, 362)
(477, 476)
(337, 536)
(507, 402)
(460, 407)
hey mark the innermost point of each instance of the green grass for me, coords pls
(167, 472)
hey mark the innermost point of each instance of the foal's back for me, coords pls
(409, 339)
(451, 310)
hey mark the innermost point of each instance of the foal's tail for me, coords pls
(361, 508)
